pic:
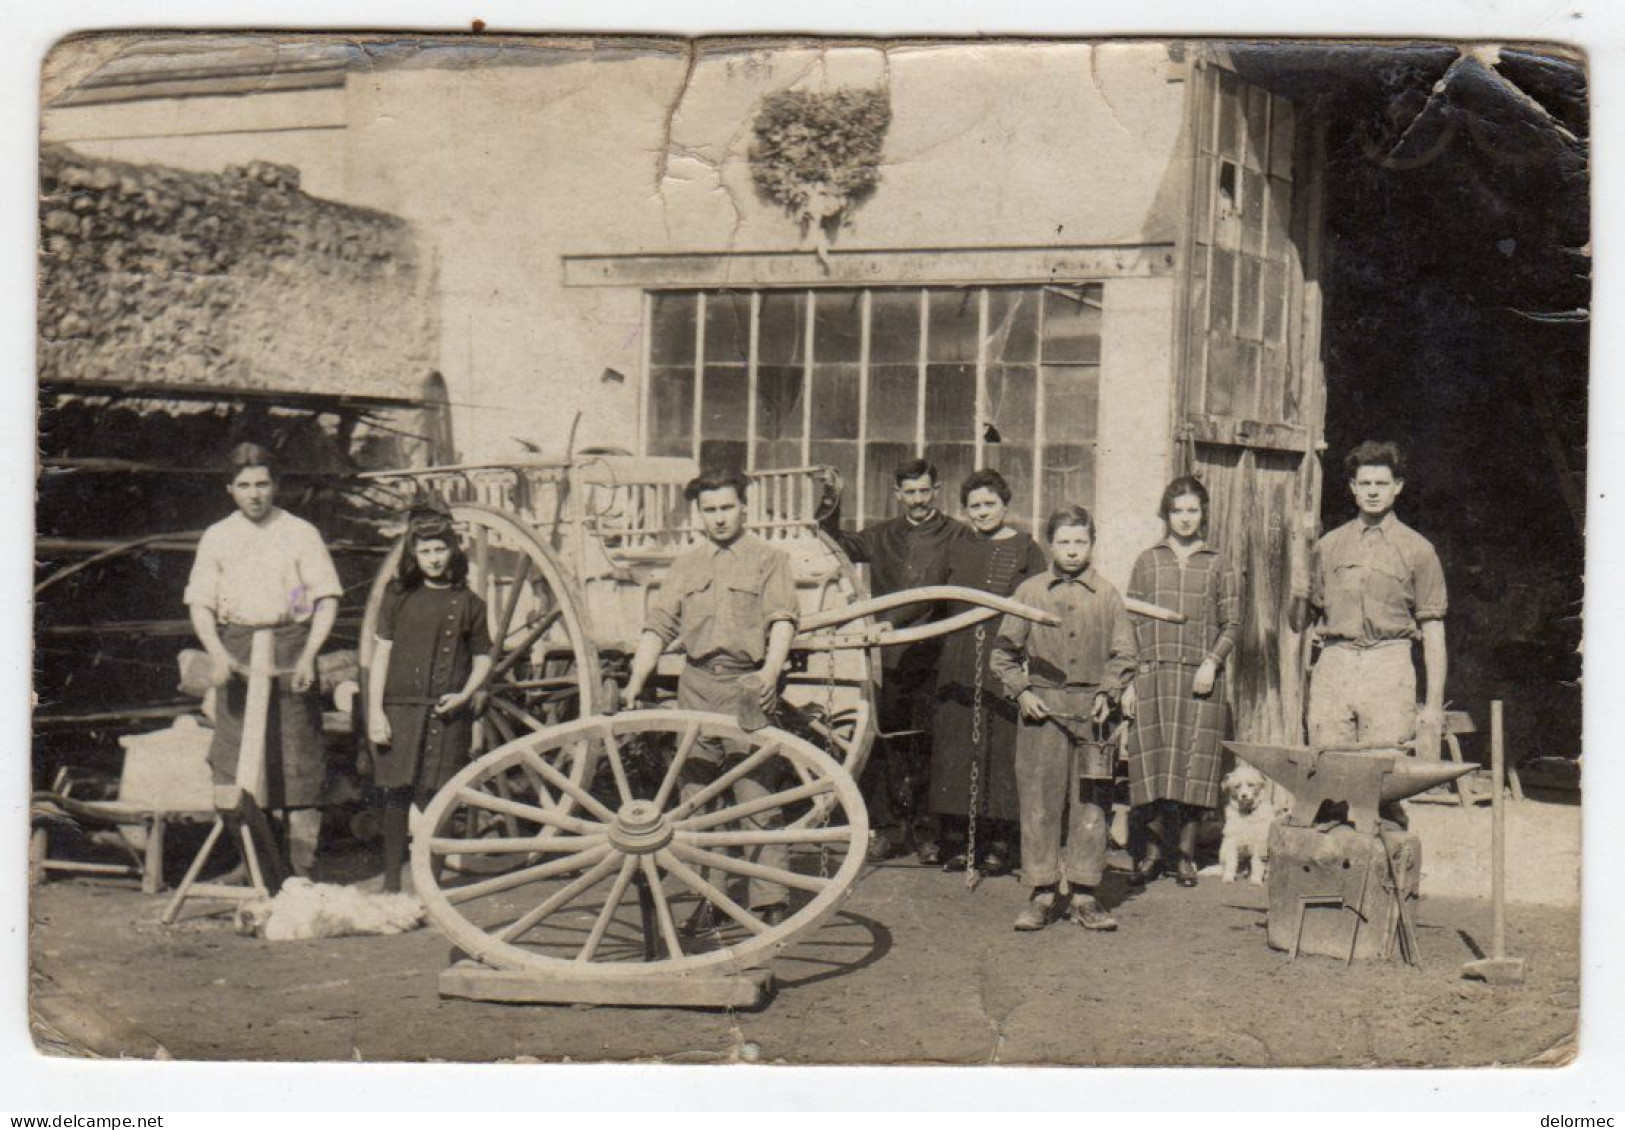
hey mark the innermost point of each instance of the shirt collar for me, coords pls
(1088, 578)
(1168, 544)
(271, 517)
(713, 549)
(1386, 526)
(926, 521)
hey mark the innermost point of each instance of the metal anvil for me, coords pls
(1364, 779)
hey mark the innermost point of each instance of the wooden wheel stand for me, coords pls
(625, 900)
(238, 807)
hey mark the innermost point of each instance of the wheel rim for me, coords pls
(601, 886)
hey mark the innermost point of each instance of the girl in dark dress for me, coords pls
(432, 651)
(972, 731)
(1173, 748)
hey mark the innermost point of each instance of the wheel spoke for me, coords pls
(568, 787)
(513, 713)
(531, 812)
(508, 733)
(749, 808)
(553, 867)
(749, 868)
(617, 768)
(510, 603)
(533, 629)
(482, 558)
(506, 845)
(696, 883)
(668, 928)
(551, 683)
(760, 837)
(691, 734)
(499, 782)
(723, 783)
(628, 866)
(560, 898)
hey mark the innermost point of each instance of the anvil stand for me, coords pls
(1356, 864)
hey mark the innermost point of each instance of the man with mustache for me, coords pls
(907, 551)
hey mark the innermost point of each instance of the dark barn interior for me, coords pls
(1457, 276)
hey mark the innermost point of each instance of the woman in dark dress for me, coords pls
(974, 727)
(1174, 756)
(432, 650)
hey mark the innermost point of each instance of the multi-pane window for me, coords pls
(865, 380)
(1243, 258)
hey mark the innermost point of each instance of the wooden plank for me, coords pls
(1234, 432)
(467, 980)
(954, 266)
(287, 398)
(180, 543)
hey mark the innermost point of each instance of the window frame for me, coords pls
(922, 293)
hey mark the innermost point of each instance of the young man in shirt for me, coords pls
(1377, 586)
(731, 605)
(264, 568)
(904, 552)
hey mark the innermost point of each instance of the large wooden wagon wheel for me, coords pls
(611, 890)
(545, 667)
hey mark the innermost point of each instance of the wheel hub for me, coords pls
(640, 828)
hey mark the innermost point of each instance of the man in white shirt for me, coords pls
(264, 568)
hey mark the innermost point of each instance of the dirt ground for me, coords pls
(914, 969)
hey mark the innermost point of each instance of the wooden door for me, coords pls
(1250, 402)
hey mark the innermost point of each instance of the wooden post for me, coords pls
(1498, 832)
(1498, 968)
(256, 713)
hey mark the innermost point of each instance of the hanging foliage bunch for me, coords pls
(817, 155)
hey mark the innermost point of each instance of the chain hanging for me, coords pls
(973, 810)
(829, 746)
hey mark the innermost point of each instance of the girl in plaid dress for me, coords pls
(1173, 747)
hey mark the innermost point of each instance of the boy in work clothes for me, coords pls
(731, 605)
(1063, 678)
(264, 568)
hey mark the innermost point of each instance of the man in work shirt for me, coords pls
(905, 552)
(264, 568)
(731, 605)
(1377, 586)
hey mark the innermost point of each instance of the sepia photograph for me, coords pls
(809, 550)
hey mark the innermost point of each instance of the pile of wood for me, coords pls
(154, 275)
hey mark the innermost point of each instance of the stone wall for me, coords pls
(151, 275)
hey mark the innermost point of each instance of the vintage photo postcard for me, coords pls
(809, 551)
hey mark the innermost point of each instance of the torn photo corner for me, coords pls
(954, 309)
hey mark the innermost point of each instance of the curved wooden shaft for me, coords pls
(878, 604)
(884, 635)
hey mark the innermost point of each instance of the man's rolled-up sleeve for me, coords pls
(1427, 577)
(316, 570)
(203, 586)
(779, 591)
(663, 616)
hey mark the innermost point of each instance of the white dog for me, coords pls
(302, 909)
(1248, 815)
